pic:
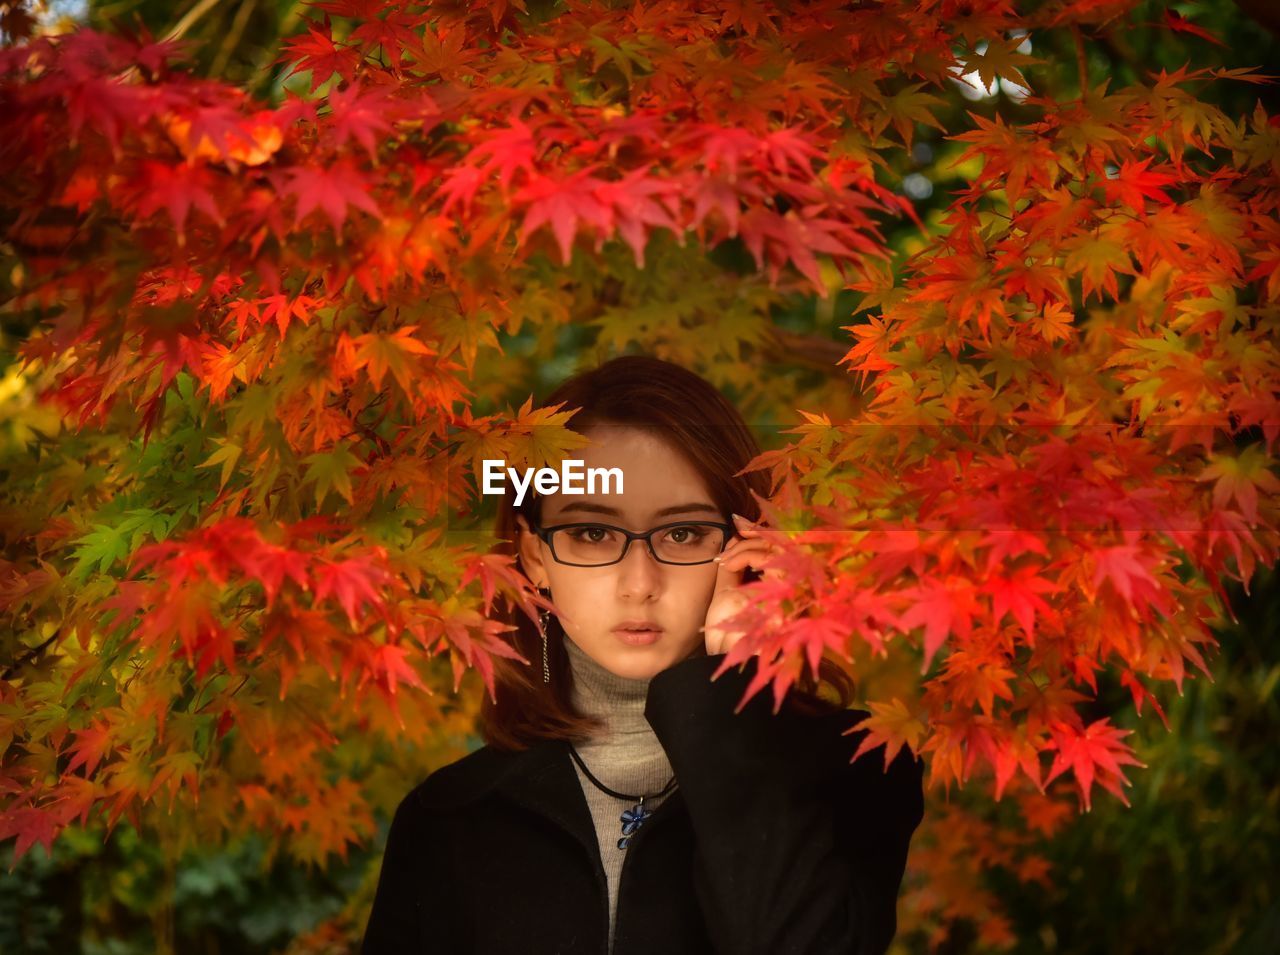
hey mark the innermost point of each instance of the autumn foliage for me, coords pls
(261, 353)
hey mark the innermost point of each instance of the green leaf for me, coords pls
(330, 470)
(108, 543)
(250, 412)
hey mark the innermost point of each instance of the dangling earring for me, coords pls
(544, 621)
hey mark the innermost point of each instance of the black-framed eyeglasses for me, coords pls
(598, 545)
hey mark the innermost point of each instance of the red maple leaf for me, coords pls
(176, 189)
(283, 310)
(564, 203)
(777, 239)
(394, 34)
(389, 666)
(1176, 21)
(943, 608)
(361, 114)
(459, 187)
(318, 53)
(635, 209)
(1094, 754)
(353, 583)
(1133, 184)
(1019, 594)
(91, 745)
(30, 825)
(1120, 565)
(332, 189)
(509, 150)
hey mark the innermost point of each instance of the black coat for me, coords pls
(772, 843)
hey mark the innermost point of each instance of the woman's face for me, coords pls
(659, 487)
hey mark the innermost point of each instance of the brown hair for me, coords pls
(687, 412)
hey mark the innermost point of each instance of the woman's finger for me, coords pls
(739, 543)
(748, 557)
(742, 547)
(726, 578)
(755, 532)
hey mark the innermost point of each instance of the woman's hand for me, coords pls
(747, 550)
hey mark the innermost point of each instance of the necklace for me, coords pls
(633, 818)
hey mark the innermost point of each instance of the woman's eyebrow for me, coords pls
(590, 507)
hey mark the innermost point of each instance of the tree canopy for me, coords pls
(259, 339)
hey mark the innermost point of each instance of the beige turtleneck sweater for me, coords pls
(627, 757)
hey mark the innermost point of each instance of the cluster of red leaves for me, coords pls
(302, 585)
(1050, 476)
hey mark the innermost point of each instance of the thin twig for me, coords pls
(30, 657)
(191, 19)
(1082, 64)
(233, 37)
(284, 28)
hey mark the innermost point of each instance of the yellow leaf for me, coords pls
(227, 455)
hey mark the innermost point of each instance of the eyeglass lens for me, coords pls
(595, 544)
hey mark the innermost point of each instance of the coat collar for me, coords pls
(540, 778)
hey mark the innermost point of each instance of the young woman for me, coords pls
(620, 805)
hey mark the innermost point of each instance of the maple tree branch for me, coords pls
(811, 350)
(365, 430)
(1021, 669)
(30, 657)
(191, 18)
(1082, 64)
(1119, 49)
(386, 410)
(1263, 12)
(238, 24)
(285, 26)
(211, 699)
(137, 668)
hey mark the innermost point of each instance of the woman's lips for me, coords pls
(637, 638)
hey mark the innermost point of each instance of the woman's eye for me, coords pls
(686, 535)
(591, 535)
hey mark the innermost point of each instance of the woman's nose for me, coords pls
(639, 574)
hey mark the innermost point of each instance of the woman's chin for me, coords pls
(646, 662)
(635, 665)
